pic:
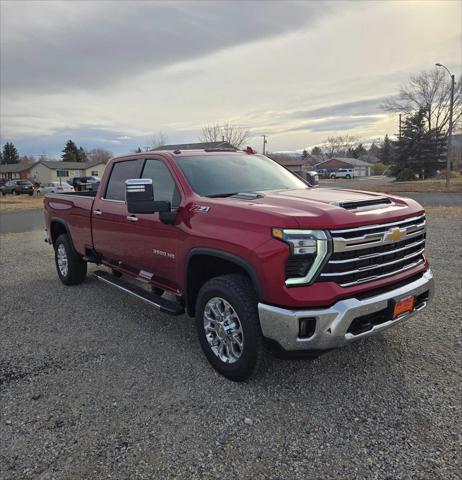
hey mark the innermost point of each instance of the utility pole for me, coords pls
(400, 131)
(451, 108)
(265, 141)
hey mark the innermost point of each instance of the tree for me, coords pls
(418, 150)
(374, 149)
(316, 151)
(70, 152)
(26, 160)
(227, 132)
(356, 152)
(386, 151)
(159, 139)
(429, 93)
(305, 154)
(341, 145)
(82, 155)
(100, 155)
(10, 154)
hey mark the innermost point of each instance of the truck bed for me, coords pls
(74, 210)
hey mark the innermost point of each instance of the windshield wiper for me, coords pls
(222, 195)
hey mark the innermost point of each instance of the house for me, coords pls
(195, 146)
(14, 171)
(45, 171)
(299, 166)
(360, 167)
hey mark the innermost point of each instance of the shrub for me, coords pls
(405, 175)
(378, 168)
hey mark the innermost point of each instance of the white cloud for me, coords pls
(296, 71)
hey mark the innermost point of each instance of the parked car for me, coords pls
(17, 187)
(83, 183)
(54, 187)
(347, 173)
(261, 259)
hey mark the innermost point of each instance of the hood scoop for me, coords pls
(248, 195)
(361, 205)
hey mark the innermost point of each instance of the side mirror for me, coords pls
(312, 178)
(139, 196)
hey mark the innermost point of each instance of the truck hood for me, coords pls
(327, 207)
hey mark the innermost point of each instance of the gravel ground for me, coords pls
(94, 384)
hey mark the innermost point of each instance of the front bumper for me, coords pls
(334, 325)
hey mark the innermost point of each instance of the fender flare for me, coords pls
(68, 232)
(230, 257)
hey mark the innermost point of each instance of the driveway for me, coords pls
(96, 385)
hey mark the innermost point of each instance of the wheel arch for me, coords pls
(202, 264)
(57, 228)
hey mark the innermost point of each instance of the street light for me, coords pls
(451, 107)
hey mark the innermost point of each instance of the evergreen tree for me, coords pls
(138, 150)
(10, 154)
(70, 152)
(386, 153)
(419, 150)
(82, 155)
(356, 152)
(304, 155)
(316, 151)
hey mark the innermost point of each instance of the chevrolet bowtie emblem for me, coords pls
(395, 234)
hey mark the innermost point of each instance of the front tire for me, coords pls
(71, 268)
(228, 326)
(348, 177)
(332, 177)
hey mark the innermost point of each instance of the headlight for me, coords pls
(308, 250)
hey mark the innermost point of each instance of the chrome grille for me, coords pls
(368, 253)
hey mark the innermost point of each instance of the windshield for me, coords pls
(224, 175)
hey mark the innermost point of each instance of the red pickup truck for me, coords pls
(259, 257)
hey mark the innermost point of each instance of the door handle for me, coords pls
(97, 212)
(132, 218)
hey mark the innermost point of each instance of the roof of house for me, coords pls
(356, 162)
(292, 162)
(370, 158)
(58, 165)
(14, 167)
(195, 146)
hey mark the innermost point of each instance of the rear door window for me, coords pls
(122, 171)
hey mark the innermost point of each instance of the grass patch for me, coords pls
(12, 203)
(422, 186)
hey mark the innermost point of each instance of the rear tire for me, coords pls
(332, 177)
(71, 268)
(348, 177)
(228, 326)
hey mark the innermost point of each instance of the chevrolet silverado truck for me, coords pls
(263, 261)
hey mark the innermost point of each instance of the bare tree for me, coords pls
(233, 134)
(159, 139)
(99, 155)
(340, 145)
(211, 133)
(430, 92)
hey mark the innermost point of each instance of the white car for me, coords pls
(55, 187)
(343, 173)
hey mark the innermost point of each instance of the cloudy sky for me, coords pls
(112, 74)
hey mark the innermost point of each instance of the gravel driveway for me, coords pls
(94, 384)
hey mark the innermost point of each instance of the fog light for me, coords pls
(306, 327)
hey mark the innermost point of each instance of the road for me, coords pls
(21, 221)
(94, 384)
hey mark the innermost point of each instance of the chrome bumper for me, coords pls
(332, 324)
